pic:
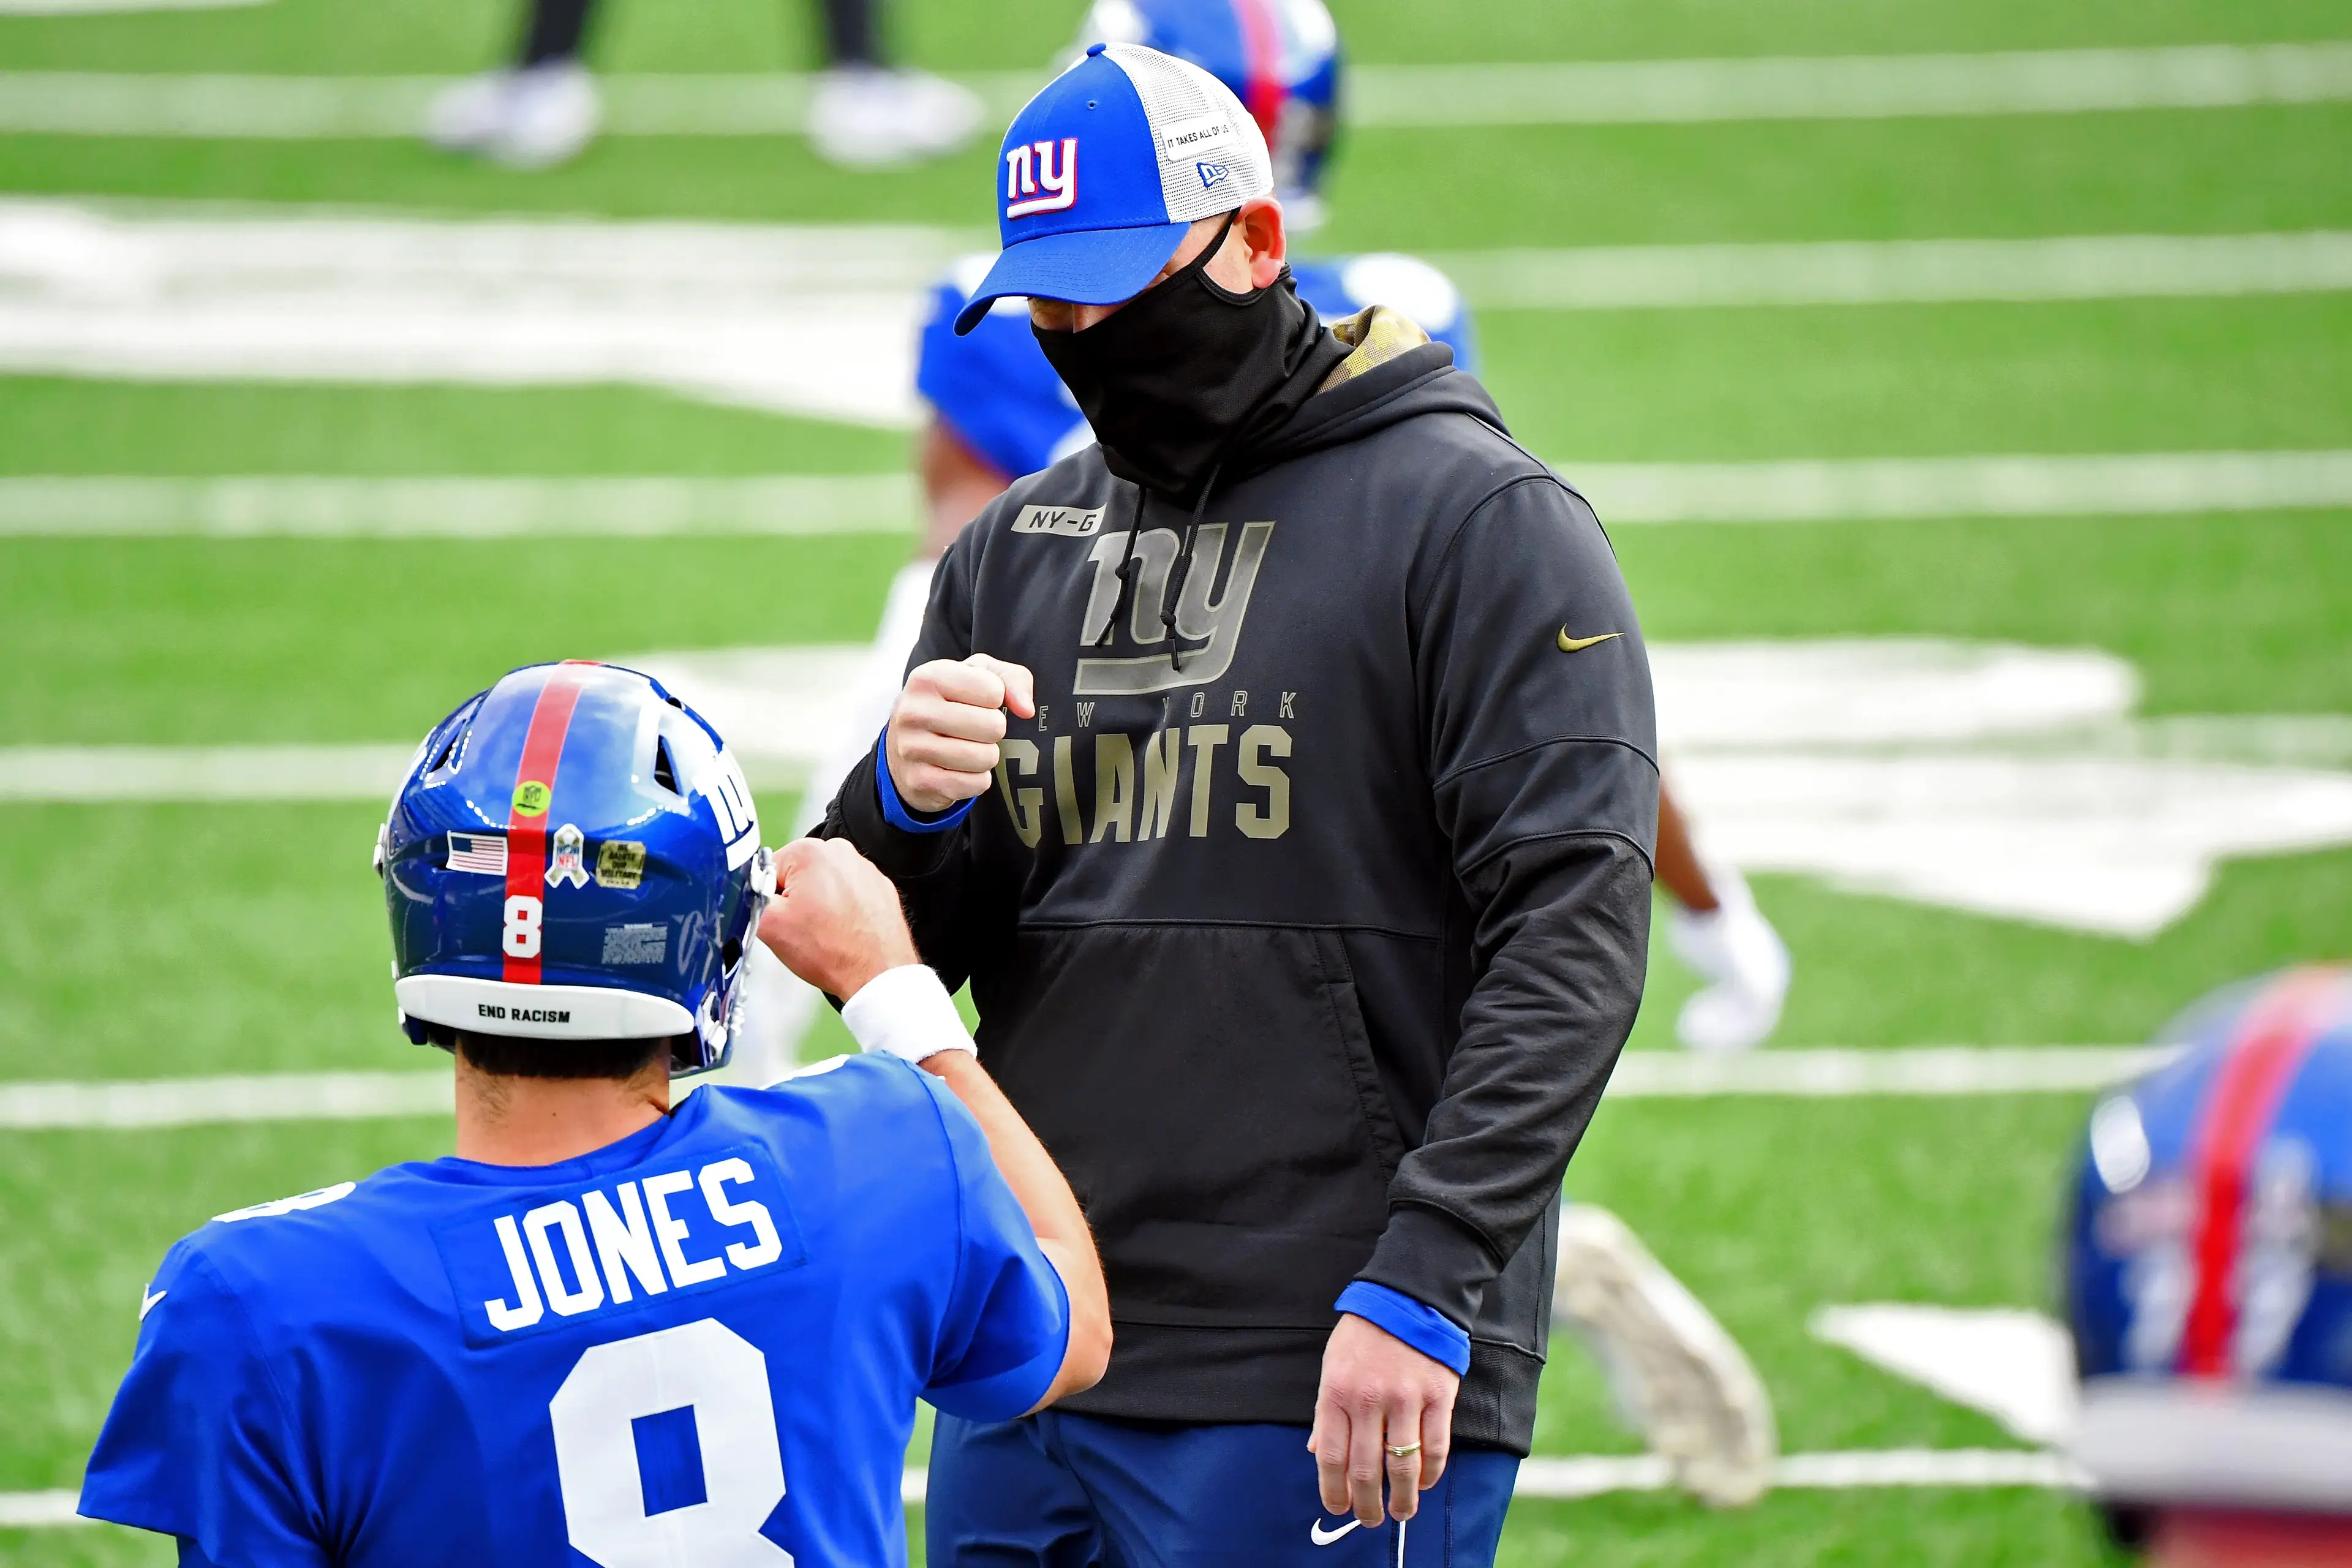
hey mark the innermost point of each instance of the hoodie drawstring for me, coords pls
(1177, 579)
(1126, 574)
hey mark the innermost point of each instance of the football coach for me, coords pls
(1280, 772)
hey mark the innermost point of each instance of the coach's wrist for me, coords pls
(907, 1013)
(1435, 1259)
(913, 813)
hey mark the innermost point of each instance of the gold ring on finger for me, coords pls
(1404, 1450)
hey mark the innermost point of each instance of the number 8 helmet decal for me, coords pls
(574, 855)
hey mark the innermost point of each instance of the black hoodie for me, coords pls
(1306, 945)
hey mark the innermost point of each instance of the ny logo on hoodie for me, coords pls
(1207, 629)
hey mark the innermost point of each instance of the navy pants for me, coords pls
(1070, 1492)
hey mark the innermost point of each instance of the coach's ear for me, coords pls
(1259, 231)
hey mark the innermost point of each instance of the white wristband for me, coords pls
(908, 1013)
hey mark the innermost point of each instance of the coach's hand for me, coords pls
(1380, 1392)
(942, 737)
(835, 921)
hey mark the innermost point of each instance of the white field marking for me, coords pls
(1852, 87)
(1624, 494)
(2015, 1365)
(461, 508)
(1594, 1475)
(39, 1511)
(1834, 1073)
(2113, 846)
(71, 775)
(2000, 780)
(199, 1102)
(812, 320)
(1831, 1073)
(1392, 97)
(88, 7)
(820, 321)
(1903, 272)
(1542, 1476)
(1902, 489)
(335, 108)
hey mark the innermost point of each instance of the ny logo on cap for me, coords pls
(1031, 166)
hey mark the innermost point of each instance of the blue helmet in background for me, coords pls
(574, 855)
(2209, 1260)
(1280, 57)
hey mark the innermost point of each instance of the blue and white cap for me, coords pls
(1105, 170)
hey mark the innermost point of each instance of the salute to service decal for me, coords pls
(620, 863)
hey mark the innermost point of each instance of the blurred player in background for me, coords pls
(544, 108)
(1280, 57)
(605, 1329)
(2209, 1285)
(1716, 928)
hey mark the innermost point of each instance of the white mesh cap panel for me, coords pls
(1196, 118)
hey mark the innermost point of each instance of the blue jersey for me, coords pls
(994, 387)
(701, 1344)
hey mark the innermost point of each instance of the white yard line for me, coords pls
(1896, 489)
(309, 506)
(2102, 267)
(1830, 1073)
(38, 1511)
(84, 776)
(326, 108)
(1591, 1476)
(92, 773)
(1863, 86)
(199, 1102)
(1917, 1070)
(1397, 97)
(1541, 1477)
(92, 7)
(1803, 490)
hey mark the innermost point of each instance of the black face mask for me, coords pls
(1186, 374)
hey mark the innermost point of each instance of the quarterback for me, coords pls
(608, 1329)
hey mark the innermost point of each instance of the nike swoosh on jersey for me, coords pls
(147, 1302)
(1316, 1532)
(1570, 645)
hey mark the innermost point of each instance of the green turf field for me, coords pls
(144, 940)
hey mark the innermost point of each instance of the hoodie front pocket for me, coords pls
(1210, 1093)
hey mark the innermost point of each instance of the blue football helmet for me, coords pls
(2208, 1260)
(574, 855)
(1280, 57)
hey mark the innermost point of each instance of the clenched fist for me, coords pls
(835, 921)
(941, 744)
